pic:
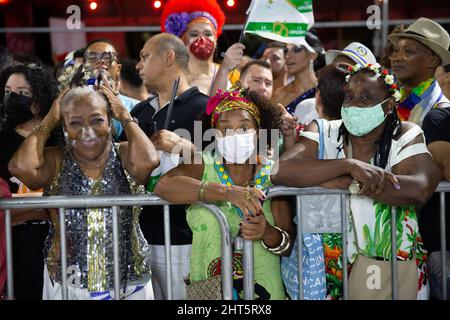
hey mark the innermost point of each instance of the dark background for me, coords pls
(35, 13)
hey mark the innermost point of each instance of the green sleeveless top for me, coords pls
(206, 241)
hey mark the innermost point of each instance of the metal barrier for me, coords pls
(227, 269)
(113, 202)
(277, 191)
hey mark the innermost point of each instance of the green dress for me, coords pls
(206, 241)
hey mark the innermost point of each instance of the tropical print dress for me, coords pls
(371, 220)
(206, 240)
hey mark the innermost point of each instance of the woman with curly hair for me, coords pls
(27, 93)
(384, 163)
(234, 178)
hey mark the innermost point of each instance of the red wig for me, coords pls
(211, 7)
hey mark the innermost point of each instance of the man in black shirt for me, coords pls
(436, 127)
(164, 57)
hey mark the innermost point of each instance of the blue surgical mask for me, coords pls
(360, 121)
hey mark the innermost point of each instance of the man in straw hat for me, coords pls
(417, 53)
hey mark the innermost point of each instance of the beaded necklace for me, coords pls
(225, 178)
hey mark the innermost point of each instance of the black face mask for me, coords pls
(17, 108)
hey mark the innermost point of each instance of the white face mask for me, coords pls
(237, 148)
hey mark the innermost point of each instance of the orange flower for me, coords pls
(332, 253)
(402, 254)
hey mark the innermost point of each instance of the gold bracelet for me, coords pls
(202, 190)
(43, 128)
(205, 191)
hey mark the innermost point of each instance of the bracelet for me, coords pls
(284, 244)
(202, 190)
(42, 128)
(132, 119)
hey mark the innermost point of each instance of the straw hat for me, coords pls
(430, 34)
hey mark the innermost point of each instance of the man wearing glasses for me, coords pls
(102, 55)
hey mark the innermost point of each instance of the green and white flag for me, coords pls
(280, 20)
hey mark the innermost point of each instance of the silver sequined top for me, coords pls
(89, 231)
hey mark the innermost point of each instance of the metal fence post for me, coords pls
(394, 253)
(344, 247)
(168, 251)
(63, 239)
(227, 267)
(298, 204)
(227, 252)
(249, 276)
(9, 255)
(385, 25)
(443, 246)
(115, 222)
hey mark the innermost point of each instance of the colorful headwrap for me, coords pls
(177, 14)
(233, 99)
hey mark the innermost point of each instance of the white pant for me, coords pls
(180, 256)
(52, 291)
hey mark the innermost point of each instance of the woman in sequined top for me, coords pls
(91, 164)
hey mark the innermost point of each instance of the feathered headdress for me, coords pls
(177, 14)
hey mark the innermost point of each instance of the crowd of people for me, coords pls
(180, 125)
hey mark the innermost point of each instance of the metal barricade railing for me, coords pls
(277, 191)
(113, 202)
(227, 270)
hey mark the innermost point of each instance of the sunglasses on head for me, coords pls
(107, 57)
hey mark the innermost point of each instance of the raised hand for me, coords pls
(55, 111)
(233, 56)
(118, 110)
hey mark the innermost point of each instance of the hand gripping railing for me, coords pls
(114, 202)
(277, 191)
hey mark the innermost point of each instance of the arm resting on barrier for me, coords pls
(418, 177)
(412, 181)
(182, 185)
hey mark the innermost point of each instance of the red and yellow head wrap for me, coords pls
(233, 99)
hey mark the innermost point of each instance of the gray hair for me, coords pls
(76, 94)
